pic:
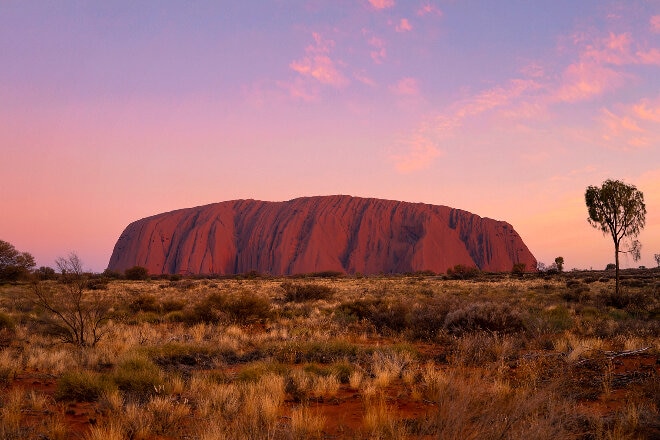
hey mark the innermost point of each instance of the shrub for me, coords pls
(556, 319)
(578, 293)
(112, 274)
(640, 299)
(244, 307)
(144, 303)
(173, 305)
(6, 322)
(247, 307)
(462, 272)
(138, 377)
(174, 354)
(384, 315)
(136, 273)
(74, 313)
(297, 292)
(82, 386)
(427, 318)
(487, 316)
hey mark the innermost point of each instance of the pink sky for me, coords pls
(111, 112)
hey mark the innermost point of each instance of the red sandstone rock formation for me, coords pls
(311, 234)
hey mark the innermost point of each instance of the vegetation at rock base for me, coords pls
(495, 356)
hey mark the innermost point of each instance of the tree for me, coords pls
(559, 262)
(617, 209)
(74, 312)
(657, 259)
(519, 269)
(14, 264)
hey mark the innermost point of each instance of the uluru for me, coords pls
(313, 234)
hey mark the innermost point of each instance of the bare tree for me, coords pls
(75, 313)
(657, 259)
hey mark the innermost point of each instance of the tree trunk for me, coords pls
(616, 259)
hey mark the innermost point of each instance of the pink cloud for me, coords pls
(583, 80)
(318, 64)
(299, 89)
(598, 69)
(634, 126)
(647, 110)
(655, 24)
(495, 97)
(651, 56)
(403, 26)
(421, 146)
(428, 9)
(406, 87)
(614, 49)
(420, 154)
(379, 51)
(382, 4)
(364, 79)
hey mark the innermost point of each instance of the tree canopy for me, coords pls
(14, 264)
(618, 209)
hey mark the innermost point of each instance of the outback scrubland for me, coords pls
(533, 356)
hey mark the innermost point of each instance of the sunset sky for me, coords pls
(114, 111)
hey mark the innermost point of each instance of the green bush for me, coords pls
(556, 319)
(145, 303)
(255, 371)
(82, 386)
(298, 292)
(138, 377)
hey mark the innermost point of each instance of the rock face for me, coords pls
(311, 234)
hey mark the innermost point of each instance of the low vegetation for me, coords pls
(466, 355)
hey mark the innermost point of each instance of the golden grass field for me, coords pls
(497, 357)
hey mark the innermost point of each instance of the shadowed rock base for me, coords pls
(311, 234)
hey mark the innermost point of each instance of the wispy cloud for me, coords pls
(365, 79)
(299, 89)
(632, 126)
(584, 80)
(648, 110)
(420, 153)
(428, 9)
(403, 26)
(495, 97)
(599, 69)
(318, 64)
(378, 50)
(405, 87)
(422, 146)
(650, 56)
(382, 4)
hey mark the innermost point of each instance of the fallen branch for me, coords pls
(613, 354)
